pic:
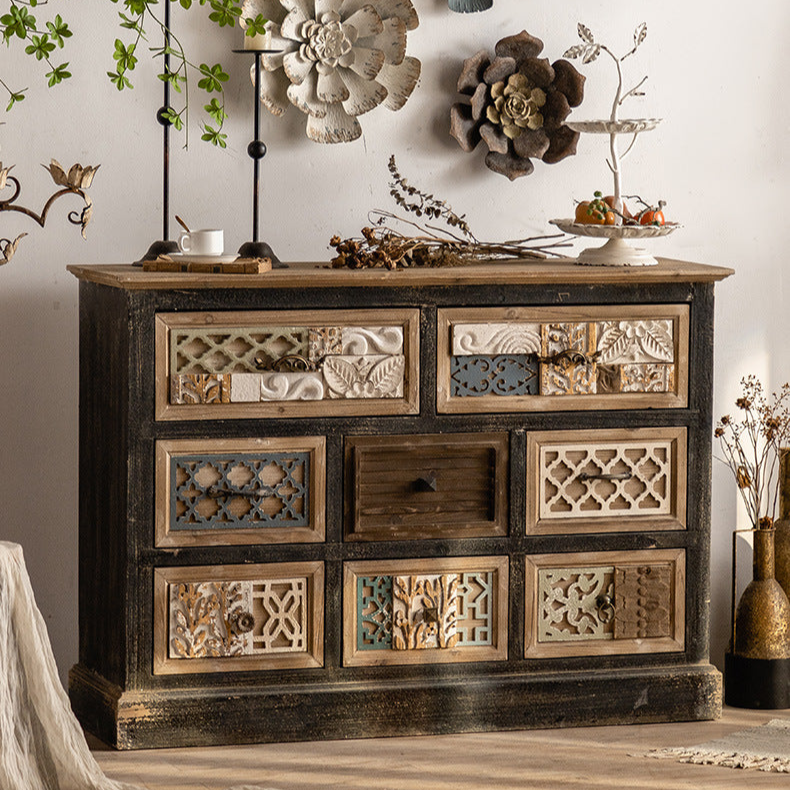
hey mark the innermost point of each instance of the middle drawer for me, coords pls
(429, 486)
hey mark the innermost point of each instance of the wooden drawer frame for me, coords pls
(676, 558)
(312, 532)
(497, 651)
(409, 319)
(313, 657)
(630, 522)
(448, 317)
(497, 525)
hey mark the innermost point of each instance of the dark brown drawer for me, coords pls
(431, 486)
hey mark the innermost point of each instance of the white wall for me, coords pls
(719, 160)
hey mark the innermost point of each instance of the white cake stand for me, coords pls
(617, 251)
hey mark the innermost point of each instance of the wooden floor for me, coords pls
(576, 759)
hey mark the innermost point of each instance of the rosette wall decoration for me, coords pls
(338, 59)
(517, 104)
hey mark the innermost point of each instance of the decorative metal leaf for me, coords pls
(8, 248)
(592, 53)
(585, 34)
(640, 34)
(575, 51)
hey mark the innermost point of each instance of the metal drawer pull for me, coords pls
(573, 356)
(603, 476)
(253, 493)
(605, 606)
(426, 482)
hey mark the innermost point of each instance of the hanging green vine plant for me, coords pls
(44, 39)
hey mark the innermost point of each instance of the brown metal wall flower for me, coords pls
(517, 103)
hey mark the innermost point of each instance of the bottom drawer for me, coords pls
(603, 603)
(238, 617)
(425, 611)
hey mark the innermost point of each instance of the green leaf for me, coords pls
(58, 74)
(119, 80)
(59, 30)
(216, 111)
(41, 47)
(255, 26)
(16, 96)
(213, 77)
(125, 56)
(214, 136)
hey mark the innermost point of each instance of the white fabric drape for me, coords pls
(41, 743)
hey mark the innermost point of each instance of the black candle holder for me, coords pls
(256, 151)
(165, 245)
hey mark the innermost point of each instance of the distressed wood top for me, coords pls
(319, 275)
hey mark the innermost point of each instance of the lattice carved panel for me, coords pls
(474, 376)
(234, 349)
(239, 491)
(374, 605)
(575, 604)
(579, 480)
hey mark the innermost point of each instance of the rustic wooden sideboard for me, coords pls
(335, 504)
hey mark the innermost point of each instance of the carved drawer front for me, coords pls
(287, 364)
(238, 617)
(425, 611)
(414, 487)
(606, 480)
(562, 358)
(605, 603)
(239, 491)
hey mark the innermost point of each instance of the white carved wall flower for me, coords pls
(338, 60)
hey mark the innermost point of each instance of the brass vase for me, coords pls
(757, 661)
(782, 551)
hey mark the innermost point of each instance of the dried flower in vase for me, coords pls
(751, 445)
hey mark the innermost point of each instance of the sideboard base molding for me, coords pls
(466, 703)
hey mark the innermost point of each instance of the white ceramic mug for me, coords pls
(202, 242)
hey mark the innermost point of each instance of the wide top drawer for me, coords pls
(562, 358)
(286, 364)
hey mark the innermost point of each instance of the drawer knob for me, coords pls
(215, 492)
(241, 622)
(603, 476)
(426, 482)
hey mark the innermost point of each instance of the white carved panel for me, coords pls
(367, 340)
(280, 610)
(425, 612)
(623, 342)
(605, 480)
(374, 376)
(291, 386)
(491, 339)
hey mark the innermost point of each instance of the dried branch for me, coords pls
(384, 245)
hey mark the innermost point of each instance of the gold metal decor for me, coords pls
(74, 182)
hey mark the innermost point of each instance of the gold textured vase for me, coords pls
(782, 553)
(757, 663)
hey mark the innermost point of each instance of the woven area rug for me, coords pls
(766, 748)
